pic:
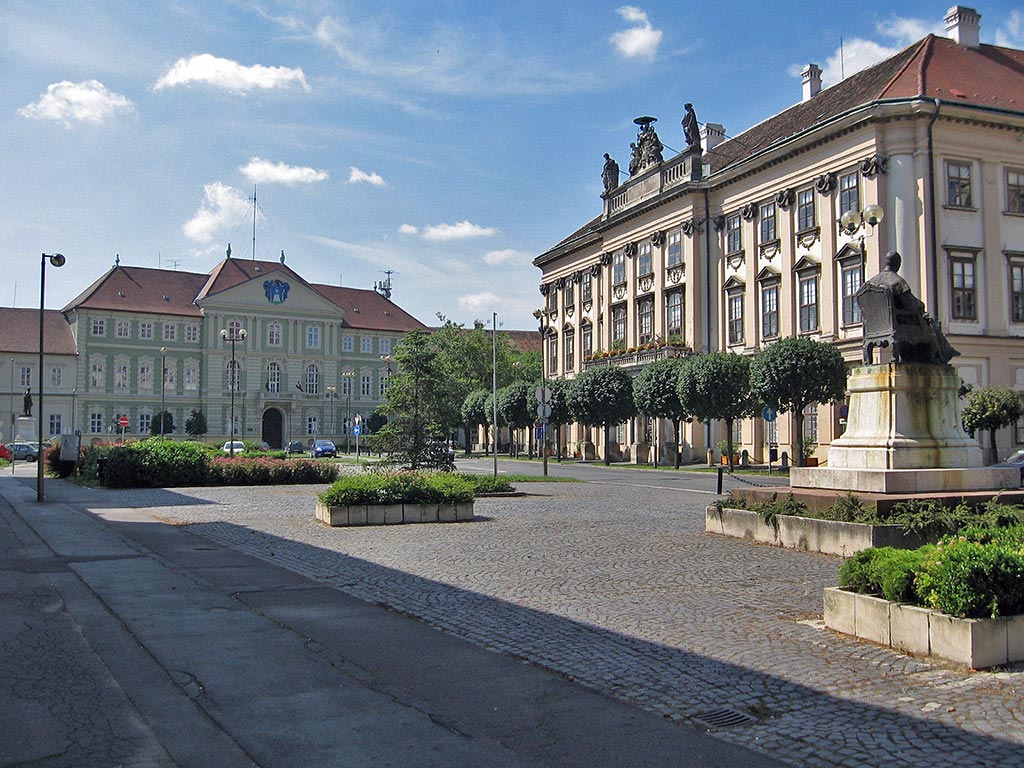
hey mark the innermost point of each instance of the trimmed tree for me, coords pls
(991, 408)
(195, 425)
(162, 424)
(514, 408)
(656, 394)
(602, 396)
(793, 373)
(560, 414)
(717, 386)
(474, 415)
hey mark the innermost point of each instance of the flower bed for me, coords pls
(384, 498)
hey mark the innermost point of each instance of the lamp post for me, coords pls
(234, 337)
(494, 385)
(332, 395)
(853, 220)
(163, 387)
(56, 260)
(543, 317)
(348, 376)
(74, 411)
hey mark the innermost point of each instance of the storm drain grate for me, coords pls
(725, 718)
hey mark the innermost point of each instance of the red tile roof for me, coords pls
(141, 289)
(232, 272)
(19, 332)
(369, 310)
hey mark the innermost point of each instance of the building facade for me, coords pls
(736, 243)
(307, 360)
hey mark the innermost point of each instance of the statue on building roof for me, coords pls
(609, 174)
(647, 150)
(691, 129)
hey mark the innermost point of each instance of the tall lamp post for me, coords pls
(332, 396)
(163, 388)
(56, 260)
(234, 338)
(543, 317)
(348, 376)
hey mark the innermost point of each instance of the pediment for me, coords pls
(271, 292)
(807, 264)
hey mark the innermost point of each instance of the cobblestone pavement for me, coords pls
(619, 588)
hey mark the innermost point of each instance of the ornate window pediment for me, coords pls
(734, 285)
(807, 265)
(849, 252)
(768, 275)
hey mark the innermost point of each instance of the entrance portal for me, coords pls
(273, 423)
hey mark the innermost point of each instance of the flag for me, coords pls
(299, 387)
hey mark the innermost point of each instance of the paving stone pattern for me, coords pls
(620, 589)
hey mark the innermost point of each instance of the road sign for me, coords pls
(769, 414)
(544, 411)
(356, 429)
(122, 422)
(543, 394)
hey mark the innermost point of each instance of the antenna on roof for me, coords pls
(384, 286)
(254, 224)
(175, 263)
(842, 62)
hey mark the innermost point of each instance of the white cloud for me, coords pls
(1011, 34)
(230, 75)
(408, 229)
(500, 257)
(357, 176)
(458, 231)
(86, 102)
(479, 302)
(639, 41)
(222, 207)
(267, 172)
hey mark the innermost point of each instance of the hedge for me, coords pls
(401, 487)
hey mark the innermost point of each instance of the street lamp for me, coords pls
(74, 411)
(332, 395)
(234, 336)
(56, 260)
(543, 317)
(348, 375)
(854, 220)
(163, 387)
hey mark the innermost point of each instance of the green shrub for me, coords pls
(397, 488)
(972, 579)
(156, 463)
(265, 470)
(772, 508)
(884, 571)
(845, 509)
(488, 484)
(55, 466)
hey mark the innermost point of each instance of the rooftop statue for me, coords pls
(691, 129)
(894, 316)
(609, 174)
(648, 149)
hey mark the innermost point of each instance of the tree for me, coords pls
(655, 392)
(991, 408)
(602, 396)
(474, 415)
(793, 373)
(162, 424)
(195, 425)
(717, 386)
(375, 421)
(514, 407)
(560, 414)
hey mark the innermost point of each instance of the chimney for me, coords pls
(964, 26)
(711, 135)
(811, 78)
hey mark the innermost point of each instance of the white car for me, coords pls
(239, 446)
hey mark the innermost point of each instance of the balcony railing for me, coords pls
(652, 182)
(635, 357)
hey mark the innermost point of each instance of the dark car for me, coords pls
(323, 448)
(24, 451)
(1015, 459)
(295, 446)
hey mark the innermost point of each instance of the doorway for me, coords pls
(273, 428)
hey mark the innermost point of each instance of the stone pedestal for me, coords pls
(25, 429)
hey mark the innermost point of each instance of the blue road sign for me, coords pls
(768, 414)
(356, 429)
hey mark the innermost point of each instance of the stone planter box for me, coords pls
(974, 643)
(826, 536)
(393, 514)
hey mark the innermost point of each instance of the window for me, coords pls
(964, 306)
(807, 292)
(191, 377)
(384, 344)
(347, 344)
(734, 319)
(145, 376)
(95, 422)
(674, 317)
(311, 425)
(1014, 191)
(770, 309)
(383, 380)
(644, 265)
(54, 423)
(1017, 293)
(121, 377)
(56, 378)
(849, 194)
(99, 327)
(806, 217)
(170, 372)
(733, 234)
(767, 223)
(26, 375)
(346, 386)
(97, 376)
(170, 332)
(191, 333)
(675, 249)
(811, 425)
(852, 277)
(365, 385)
(587, 340)
(145, 330)
(313, 337)
(958, 184)
(233, 375)
(274, 335)
(645, 321)
(586, 290)
(312, 380)
(552, 300)
(552, 353)
(366, 344)
(569, 294)
(273, 377)
(619, 269)
(124, 329)
(619, 326)
(145, 423)
(569, 350)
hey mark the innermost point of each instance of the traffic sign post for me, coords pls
(122, 422)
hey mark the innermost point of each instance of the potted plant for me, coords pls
(810, 460)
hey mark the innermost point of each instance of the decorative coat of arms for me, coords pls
(276, 290)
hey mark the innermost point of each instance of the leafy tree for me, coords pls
(475, 414)
(717, 386)
(793, 373)
(514, 407)
(602, 396)
(375, 421)
(655, 392)
(195, 425)
(164, 418)
(991, 408)
(560, 414)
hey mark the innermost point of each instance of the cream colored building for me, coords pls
(741, 244)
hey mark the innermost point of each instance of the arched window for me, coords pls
(312, 380)
(274, 377)
(645, 320)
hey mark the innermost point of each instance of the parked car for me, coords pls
(23, 451)
(1015, 459)
(295, 446)
(323, 448)
(239, 446)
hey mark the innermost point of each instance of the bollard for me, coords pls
(719, 480)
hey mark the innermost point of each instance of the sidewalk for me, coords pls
(130, 642)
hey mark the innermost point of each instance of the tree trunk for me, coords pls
(607, 445)
(798, 425)
(728, 441)
(993, 450)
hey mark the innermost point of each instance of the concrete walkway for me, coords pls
(128, 641)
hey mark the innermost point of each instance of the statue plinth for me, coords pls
(25, 429)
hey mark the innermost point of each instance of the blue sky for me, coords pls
(448, 141)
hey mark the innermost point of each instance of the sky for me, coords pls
(450, 142)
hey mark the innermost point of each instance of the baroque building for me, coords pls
(311, 360)
(738, 242)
